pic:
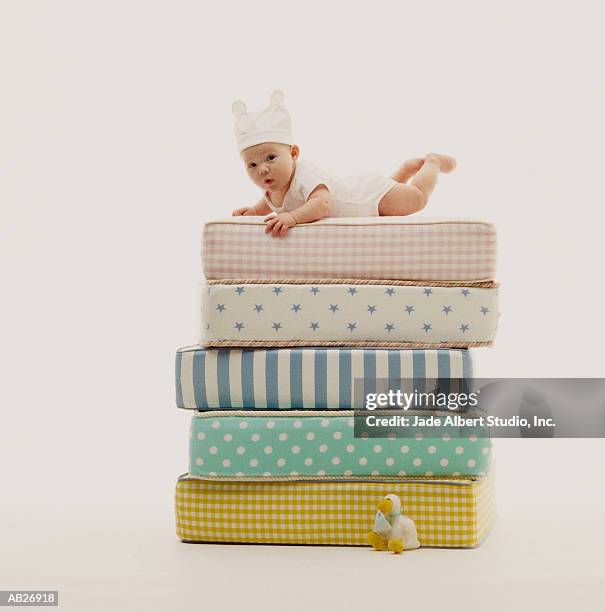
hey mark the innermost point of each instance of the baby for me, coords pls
(296, 191)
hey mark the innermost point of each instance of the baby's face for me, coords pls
(270, 165)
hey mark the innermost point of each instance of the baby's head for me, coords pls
(265, 143)
(270, 165)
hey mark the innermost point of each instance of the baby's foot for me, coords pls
(446, 163)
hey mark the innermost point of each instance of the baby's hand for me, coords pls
(279, 224)
(244, 210)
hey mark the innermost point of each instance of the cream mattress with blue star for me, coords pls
(279, 444)
(310, 378)
(369, 313)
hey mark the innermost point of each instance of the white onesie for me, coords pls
(355, 196)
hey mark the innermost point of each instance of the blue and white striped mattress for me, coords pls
(305, 378)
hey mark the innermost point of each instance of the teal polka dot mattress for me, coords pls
(312, 444)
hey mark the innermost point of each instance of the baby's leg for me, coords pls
(405, 199)
(407, 170)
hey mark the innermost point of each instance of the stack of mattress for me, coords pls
(291, 328)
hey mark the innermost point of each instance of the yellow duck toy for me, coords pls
(392, 529)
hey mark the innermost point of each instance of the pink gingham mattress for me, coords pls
(398, 248)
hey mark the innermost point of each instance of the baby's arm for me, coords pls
(260, 208)
(316, 207)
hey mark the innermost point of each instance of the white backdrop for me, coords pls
(116, 146)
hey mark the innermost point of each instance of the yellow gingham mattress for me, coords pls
(447, 513)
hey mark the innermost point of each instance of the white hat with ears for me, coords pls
(271, 124)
